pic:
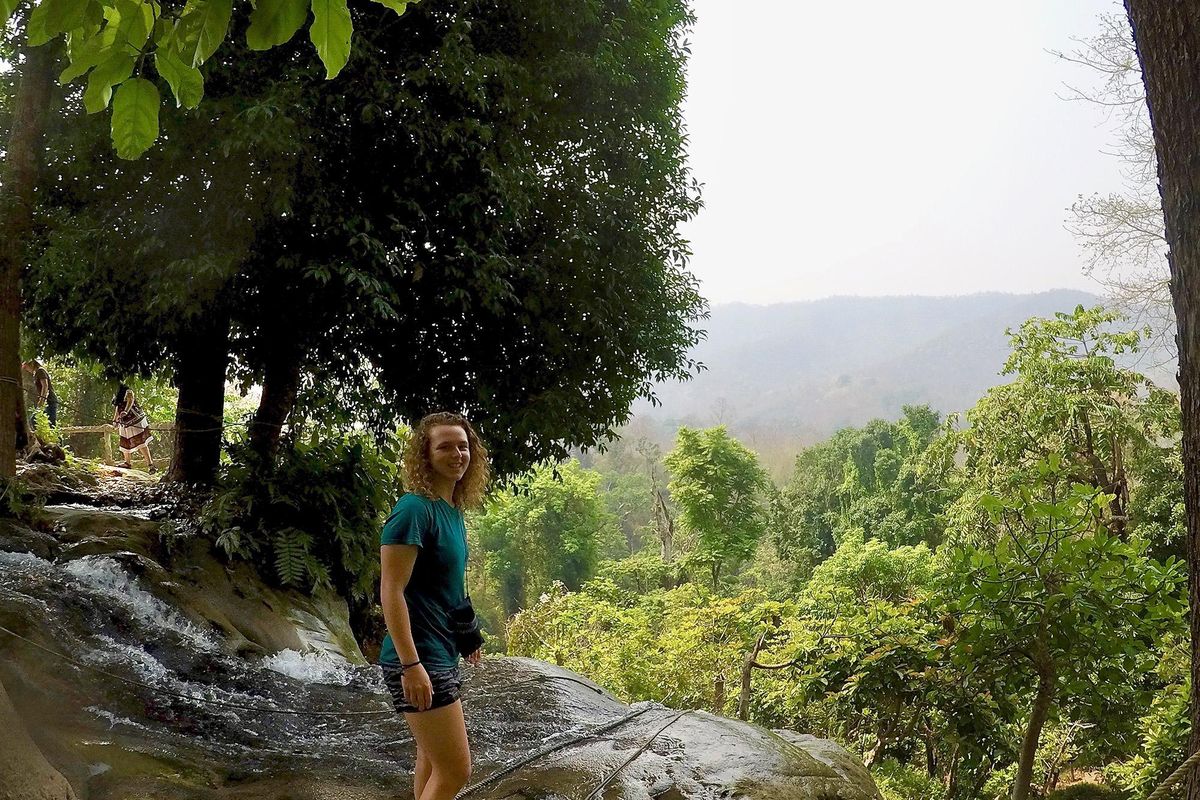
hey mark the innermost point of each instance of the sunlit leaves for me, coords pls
(396, 5)
(104, 77)
(52, 17)
(185, 81)
(330, 34)
(274, 22)
(135, 117)
(111, 38)
(202, 28)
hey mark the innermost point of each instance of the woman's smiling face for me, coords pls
(449, 452)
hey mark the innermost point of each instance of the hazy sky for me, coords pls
(878, 147)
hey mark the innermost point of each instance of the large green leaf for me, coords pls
(107, 74)
(187, 84)
(396, 5)
(86, 50)
(202, 28)
(136, 21)
(52, 17)
(7, 7)
(330, 32)
(135, 117)
(274, 22)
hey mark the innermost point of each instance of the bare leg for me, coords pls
(421, 774)
(441, 735)
(146, 452)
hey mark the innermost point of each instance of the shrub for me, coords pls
(1087, 791)
(902, 782)
(313, 518)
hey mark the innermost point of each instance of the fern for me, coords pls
(291, 556)
(312, 519)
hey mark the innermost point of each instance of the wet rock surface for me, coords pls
(176, 664)
(25, 774)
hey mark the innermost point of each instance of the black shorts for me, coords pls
(447, 687)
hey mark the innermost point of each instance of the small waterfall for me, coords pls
(97, 611)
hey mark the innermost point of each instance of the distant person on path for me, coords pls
(430, 621)
(132, 426)
(43, 391)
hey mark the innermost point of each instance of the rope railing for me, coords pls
(108, 430)
(1164, 788)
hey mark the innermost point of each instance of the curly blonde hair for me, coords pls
(418, 472)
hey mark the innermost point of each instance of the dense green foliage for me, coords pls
(314, 517)
(114, 43)
(552, 526)
(481, 214)
(975, 612)
(719, 488)
(871, 479)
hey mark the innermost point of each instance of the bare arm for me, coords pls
(396, 566)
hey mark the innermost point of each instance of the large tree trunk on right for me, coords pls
(200, 377)
(1167, 35)
(17, 192)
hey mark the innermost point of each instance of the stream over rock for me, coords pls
(180, 662)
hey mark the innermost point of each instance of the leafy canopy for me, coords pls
(119, 46)
(721, 492)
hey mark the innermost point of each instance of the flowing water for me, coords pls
(146, 691)
(149, 680)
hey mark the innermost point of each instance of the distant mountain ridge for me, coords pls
(800, 371)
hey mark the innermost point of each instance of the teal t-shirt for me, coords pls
(437, 584)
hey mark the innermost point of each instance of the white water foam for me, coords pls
(114, 720)
(148, 668)
(311, 667)
(27, 561)
(106, 576)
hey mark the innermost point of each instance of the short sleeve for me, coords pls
(409, 522)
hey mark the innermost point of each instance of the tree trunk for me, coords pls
(512, 593)
(719, 694)
(203, 357)
(281, 382)
(666, 530)
(952, 773)
(1033, 731)
(1167, 36)
(931, 756)
(17, 197)
(747, 673)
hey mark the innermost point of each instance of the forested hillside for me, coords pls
(803, 370)
(981, 607)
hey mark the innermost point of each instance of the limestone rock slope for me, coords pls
(147, 666)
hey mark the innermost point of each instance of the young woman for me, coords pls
(132, 426)
(423, 557)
